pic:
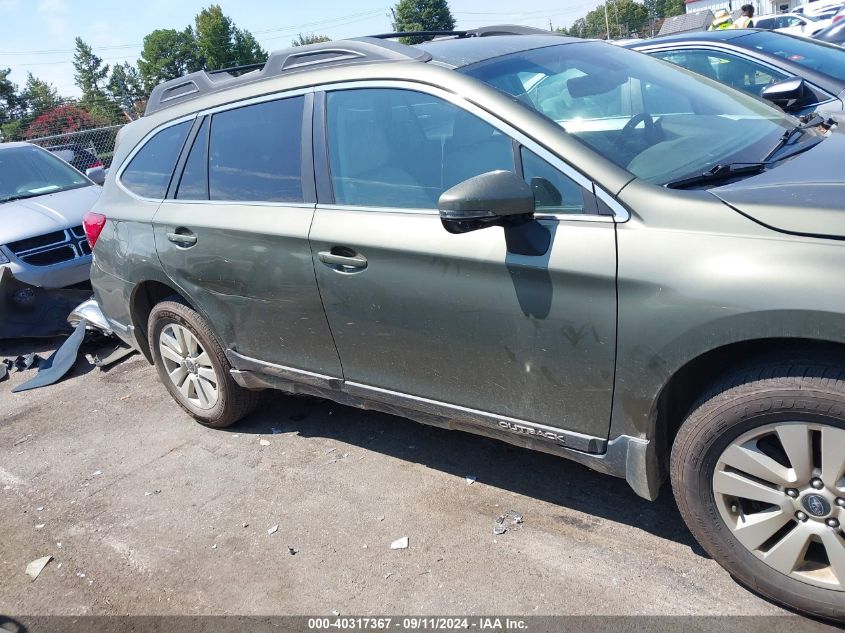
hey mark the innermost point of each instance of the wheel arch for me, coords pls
(692, 379)
(144, 297)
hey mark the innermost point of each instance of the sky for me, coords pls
(37, 36)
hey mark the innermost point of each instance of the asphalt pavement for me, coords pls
(294, 510)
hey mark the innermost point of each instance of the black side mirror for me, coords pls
(485, 200)
(788, 94)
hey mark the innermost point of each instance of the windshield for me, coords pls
(27, 171)
(819, 56)
(657, 120)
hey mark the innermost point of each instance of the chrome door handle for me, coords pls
(183, 239)
(347, 261)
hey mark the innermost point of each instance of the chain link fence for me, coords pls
(83, 134)
(83, 145)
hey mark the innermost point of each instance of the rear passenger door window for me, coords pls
(402, 149)
(254, 152)
(148, 173)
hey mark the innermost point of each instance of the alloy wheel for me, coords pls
(781, 491)
(188, 366)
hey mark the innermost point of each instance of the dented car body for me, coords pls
(347, 282)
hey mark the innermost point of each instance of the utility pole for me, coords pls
(551, 28)
(606, 21)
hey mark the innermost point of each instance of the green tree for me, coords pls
(422, 15)
(247, 49)
(167, 54)
(214, 38)
(90, 75)
(8, 96)
(302, 40)
(39, 96)
(89, 72)
(221, 44)
(125, 87)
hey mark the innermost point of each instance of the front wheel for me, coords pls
(193, 367)
(758, 471)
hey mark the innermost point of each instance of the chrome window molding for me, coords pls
(118, 179)
(620, 214)
(463, 103)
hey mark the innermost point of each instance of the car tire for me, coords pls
(201, 383)
(751, 430)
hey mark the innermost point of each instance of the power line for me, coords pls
(292, 28)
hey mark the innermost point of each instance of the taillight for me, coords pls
(836, 18)
(93, 224)
(96, 163)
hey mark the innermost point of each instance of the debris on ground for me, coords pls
(273, 529)
(506, 521)
(292, 551)
(401, 543)
(37, 566)
(380, 517)
(152, 492)
(110, 350)
(264, 442)
(214, 546)
(39, 526)
(470, 479)
(388, 575)
(59, 363)
(26, 361)
(331, 450)
(4, 370)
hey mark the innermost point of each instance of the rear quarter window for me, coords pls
(148, 173)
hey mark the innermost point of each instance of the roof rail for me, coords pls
(283, 62)
(484, 31)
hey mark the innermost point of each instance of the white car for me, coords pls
(817, 7)
(42, 201)
(792, 23)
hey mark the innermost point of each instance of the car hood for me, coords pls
(21, 219)
(804, 195)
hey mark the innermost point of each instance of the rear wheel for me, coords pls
(193, 367)
(758, 471)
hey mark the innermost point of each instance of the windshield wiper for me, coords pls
(806, 122)
(722, 171)
(19, 196)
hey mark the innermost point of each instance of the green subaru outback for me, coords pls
(563, 244)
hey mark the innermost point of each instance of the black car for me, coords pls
(832, 34)
(79, 156)
(754, 60)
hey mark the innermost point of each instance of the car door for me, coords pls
(459, 322)
(233, 233)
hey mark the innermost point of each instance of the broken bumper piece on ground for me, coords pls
(54, 368)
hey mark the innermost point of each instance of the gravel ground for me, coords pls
(146, 512)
